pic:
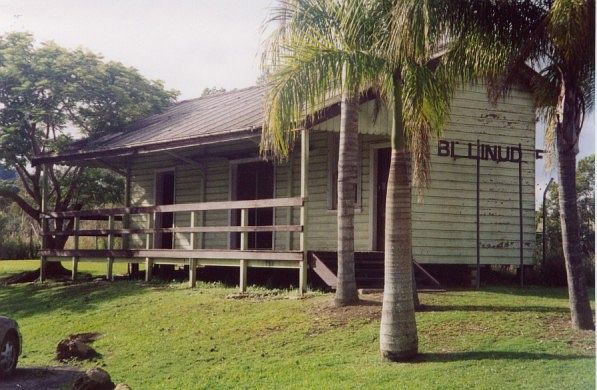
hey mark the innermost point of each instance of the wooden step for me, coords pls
(369, 269)
(322, 270)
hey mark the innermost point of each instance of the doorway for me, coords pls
(164, 195)
(254, 180)
(383, 169)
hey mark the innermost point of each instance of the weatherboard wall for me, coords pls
(444, 216)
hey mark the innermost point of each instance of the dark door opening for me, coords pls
(164, 195)
(255, 180)
(383, 169)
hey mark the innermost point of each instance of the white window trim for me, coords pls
(373, 148)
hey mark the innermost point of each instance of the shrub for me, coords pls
(552, 272)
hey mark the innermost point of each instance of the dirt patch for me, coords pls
(326, 316)
(76, 346)
(264, 296)
(559, 327)
(253, 296)
(35, 378)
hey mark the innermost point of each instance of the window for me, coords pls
(332, 201)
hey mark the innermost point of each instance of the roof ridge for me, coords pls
(224, 93)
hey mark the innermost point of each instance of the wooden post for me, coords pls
(478, 270)
(192, 262)
(520, 218)
(192, 273)
(244, 245)
(126, 218)
(289, 209)
(200, 236)
(109, 275)
(75, 266)
(202, 213)
(304, 195)
(148, 261)
(44, 221)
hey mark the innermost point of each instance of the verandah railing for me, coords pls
(243, 257)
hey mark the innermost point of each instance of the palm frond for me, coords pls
(304, 57)
(427, 95)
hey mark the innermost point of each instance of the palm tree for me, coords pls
(309, 59)
(555, 38)
(313, 51)
(420, 101)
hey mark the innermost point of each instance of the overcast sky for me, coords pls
(189, 44)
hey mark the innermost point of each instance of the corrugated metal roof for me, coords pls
(223, 113)
(210, 119)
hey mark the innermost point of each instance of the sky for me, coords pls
(189, 44)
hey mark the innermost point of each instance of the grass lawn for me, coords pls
(166, 336)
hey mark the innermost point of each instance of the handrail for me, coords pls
(182, 207)
(151, 231)
(197, 229)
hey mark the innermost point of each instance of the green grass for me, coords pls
(8, 267)
(166, 336)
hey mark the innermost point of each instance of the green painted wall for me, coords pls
(444, 228)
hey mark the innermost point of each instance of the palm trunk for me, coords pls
(398, 334)
(398, 329)
(346, 289)
(580, 308)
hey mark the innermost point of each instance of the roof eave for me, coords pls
(79, 156)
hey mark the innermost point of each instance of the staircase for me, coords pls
(369, 269)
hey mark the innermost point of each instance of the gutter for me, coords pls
(141, 149)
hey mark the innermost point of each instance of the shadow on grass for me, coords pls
(493, 308)
(444, 357)
(534, 291)
(20, 301)
(31, 378)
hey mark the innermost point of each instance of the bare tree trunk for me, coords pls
(580, 308)
(398, 333)
(346, 289)
(55, 268)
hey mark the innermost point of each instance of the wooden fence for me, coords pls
(193, 257)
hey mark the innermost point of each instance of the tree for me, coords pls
(47, 94)
(312, 52)
(556, 38)
(7, 174)
(212, 91)
(307, 71)
(585, 195)
(420, 89)
(553, 271)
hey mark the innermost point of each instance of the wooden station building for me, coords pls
(198, 194)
